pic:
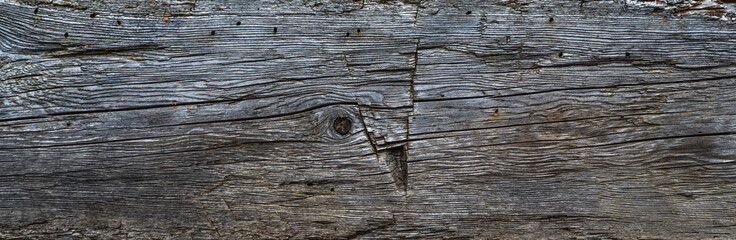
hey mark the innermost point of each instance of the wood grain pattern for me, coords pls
(493, 119)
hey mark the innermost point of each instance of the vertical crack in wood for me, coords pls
(411, 85)
(396, 160)
(367, 133)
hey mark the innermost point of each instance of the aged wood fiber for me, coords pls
(511, 119)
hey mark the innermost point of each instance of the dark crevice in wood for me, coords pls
(319, 182)
(406, 69)
(412, 94)
(179, 104)
(664, 138)
(595, 146)
(358, 234)
(274, 115)
(167, 105)
(577, 88)
(70, 52)
(138, 139)
(531, 124)
(396, 160)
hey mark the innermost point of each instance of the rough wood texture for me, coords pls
(507, 119)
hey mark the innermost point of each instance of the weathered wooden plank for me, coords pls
(631, 159)
(467, 119)
(570, 125)
(274, 163)
(547, 49)
(265, 65)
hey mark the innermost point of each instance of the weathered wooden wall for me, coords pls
(468, 119)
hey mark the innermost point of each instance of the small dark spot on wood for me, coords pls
(347, 34)
(212, 33)
(68, 124)
(468, 12)
(275, 30)
(496, 113)
(560, 54)
(627, 54)
(687, 195)
(35, 11)
(310, 183)
(66, 35)
(551, 20)
(358, 30)
(174, 102)
(93, 15)
(119, 22)
(342, 125)
(332, 189)
(238, 23)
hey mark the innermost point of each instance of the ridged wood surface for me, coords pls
(507, 119)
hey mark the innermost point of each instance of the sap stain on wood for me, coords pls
(367, 119)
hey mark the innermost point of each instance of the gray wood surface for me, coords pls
(510, 119)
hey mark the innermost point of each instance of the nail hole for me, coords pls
(468, 12)
(93, 15)
(332, 189)
(347, 34)
(238, 23)
(342, 125)
(35, 11)
(68, 124)
(212, 33)
(275, 30)
(560, 54)
(628, 54)
(66, 35)
(551, 20)
(119, 22)
(358, 30)
(496, 113)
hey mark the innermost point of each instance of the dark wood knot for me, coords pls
(342, 125)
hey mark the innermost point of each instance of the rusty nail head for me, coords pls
(342, 125)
